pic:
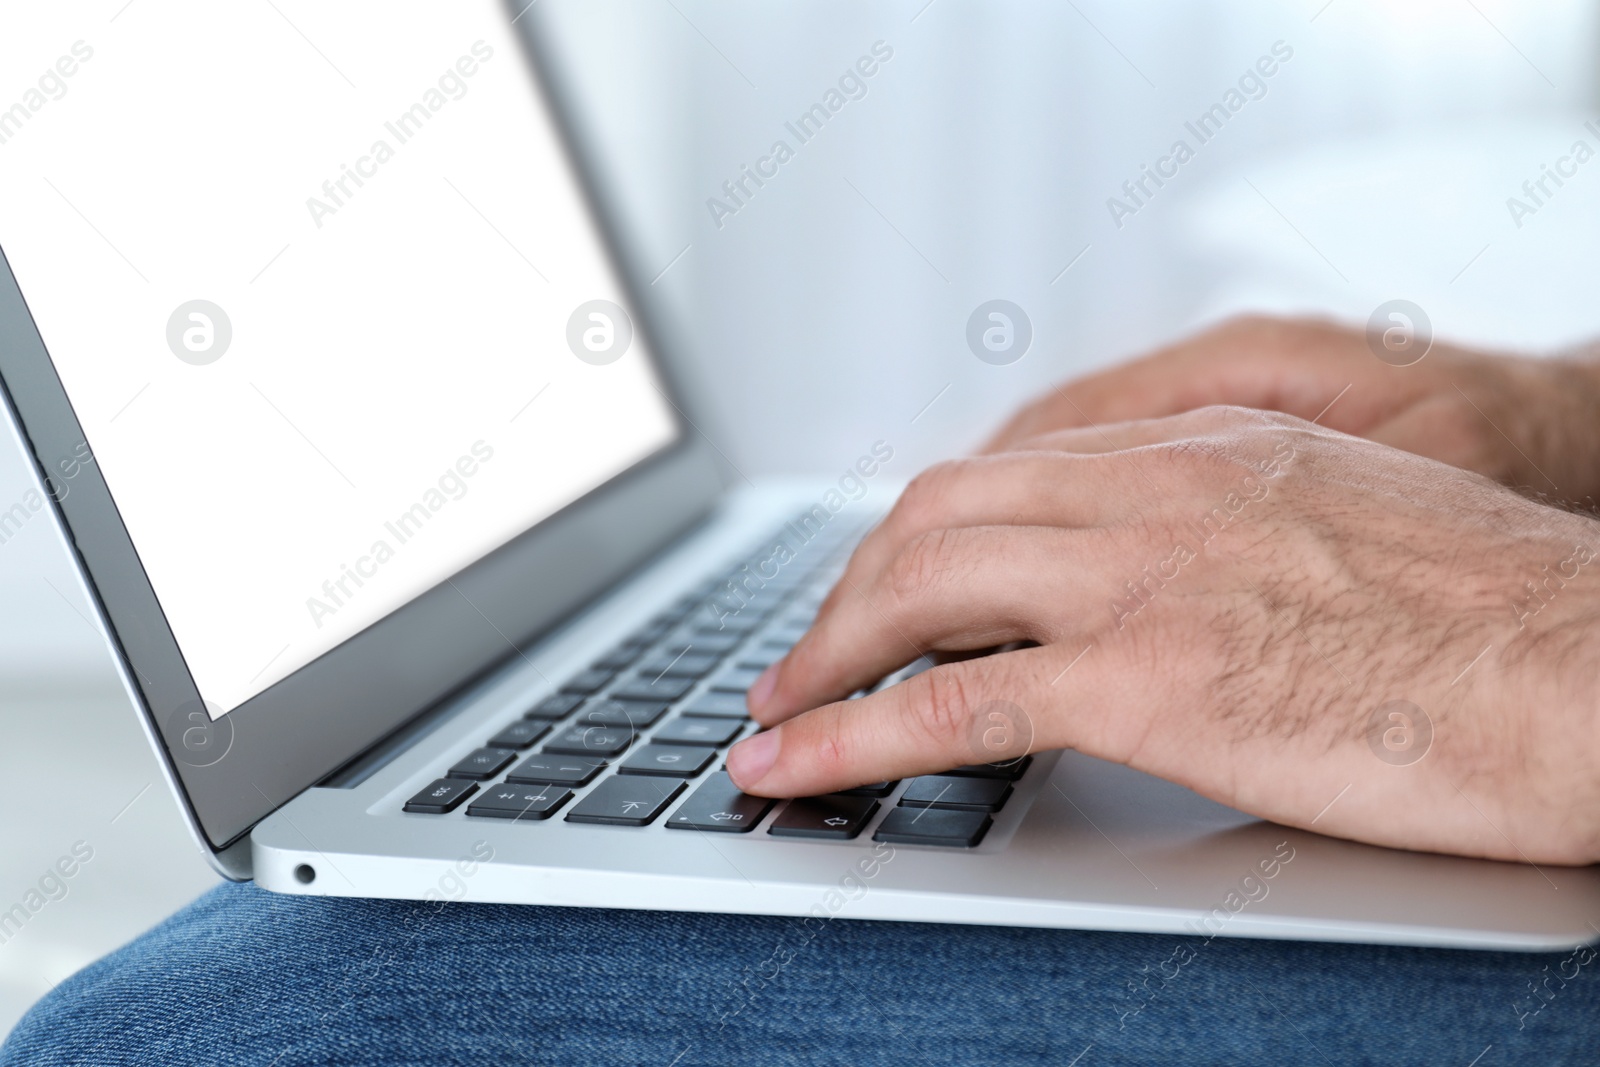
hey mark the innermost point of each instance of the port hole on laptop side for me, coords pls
(305, 874)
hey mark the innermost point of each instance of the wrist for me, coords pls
(1549, 680)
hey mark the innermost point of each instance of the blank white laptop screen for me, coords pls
(325, 296)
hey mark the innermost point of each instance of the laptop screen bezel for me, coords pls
(261, 754)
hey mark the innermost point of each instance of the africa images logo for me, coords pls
(999, 332)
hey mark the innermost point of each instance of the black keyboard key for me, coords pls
(440, 796)
(696, 597)
(630, 713)
(520, 734)
(776, 642)
(765, 603)
(626, 801)
(830, 818)
(648, 687)
(712, 644)
(649, 633)
(759, 658)
(718, 806)
(591, 740)
(741, 624)
(552, 769)
(713, 732)
(676, 613)
(718, 706)
(735, 680)
(929, 826)
(482, 763)
(555, 707)
(871, 789)
(956, 794)
(586, 682)
(619, 657)
(787, 580)
(520, 802)
(741, 592)
(679, 608)
(668, 761)
(1010, 770)
(680, 663)
(786, 636)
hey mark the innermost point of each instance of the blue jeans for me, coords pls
(246, 977)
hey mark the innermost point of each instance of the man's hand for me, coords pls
(1231, 600)
(1528, 423)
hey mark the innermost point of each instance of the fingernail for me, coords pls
(751, 759)
(761, 691)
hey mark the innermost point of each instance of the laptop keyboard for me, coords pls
(623, 739)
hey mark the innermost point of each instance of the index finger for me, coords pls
(934, 721)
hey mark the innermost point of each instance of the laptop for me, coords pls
(383, 468)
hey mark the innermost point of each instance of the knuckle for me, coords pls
(1224, 440)
(940, 709)
(1227, 416)
(831, 752)
(833, 747)
(1200, 456)
(919, 566)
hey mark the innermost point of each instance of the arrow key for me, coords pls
(626, 801)
(720, 807)
(829, 818)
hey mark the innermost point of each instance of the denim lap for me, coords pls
(243, 976)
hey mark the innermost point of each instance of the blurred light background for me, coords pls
(830, 310)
